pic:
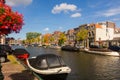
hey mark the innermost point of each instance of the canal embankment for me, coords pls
(14, 70)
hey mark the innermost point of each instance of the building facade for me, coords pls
(101, 34)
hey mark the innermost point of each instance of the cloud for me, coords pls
(116, 19)
(64, 7)
(76, 15)
(18, 2)
(110, 12)
(46, 29)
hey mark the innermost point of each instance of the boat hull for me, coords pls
(107, 53)
(69, 48)
(53, 76)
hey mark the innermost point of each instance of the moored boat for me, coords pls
(21, 53)
(69, 48)
(49, 66)
(102, 52)
(114, 48)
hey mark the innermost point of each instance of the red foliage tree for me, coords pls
(10, 21)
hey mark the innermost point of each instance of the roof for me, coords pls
(117, 30)
(98, 26)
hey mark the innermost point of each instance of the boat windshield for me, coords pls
(42, 64)
(53, 61)
(50, 61)
(62, 62)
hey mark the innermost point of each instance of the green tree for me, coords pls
(52, 39)
(37, 39)
(23, 41)
(82, 34)
(32, 37)
(62, 39)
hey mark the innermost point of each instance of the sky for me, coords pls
(47, 16)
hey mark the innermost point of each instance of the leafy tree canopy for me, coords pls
(32, 35)
(62, 39)
(82, 34)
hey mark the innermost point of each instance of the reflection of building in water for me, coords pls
(106, 66)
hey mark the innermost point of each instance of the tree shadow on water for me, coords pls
(24, 75)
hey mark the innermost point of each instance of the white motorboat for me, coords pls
(49, 65)
(107, 53)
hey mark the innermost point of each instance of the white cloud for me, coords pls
(110, 12)
(18, 2)
(76, 15)
(116, 19)
(46, 29)
(64, 7)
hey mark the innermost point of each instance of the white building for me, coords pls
(103, 33)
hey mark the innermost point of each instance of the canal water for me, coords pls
(85, 66)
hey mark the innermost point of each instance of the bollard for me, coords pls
(1, 75)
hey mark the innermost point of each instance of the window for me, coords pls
(61, 61)
(92, 33)
(53, 61)
(42, 64)
(89, 34)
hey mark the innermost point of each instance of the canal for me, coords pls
(85, 66)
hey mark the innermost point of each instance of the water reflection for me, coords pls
(107, 68)
(85, 66)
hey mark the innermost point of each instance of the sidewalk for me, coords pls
(13, 70)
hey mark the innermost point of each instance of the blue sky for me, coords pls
(47, 16)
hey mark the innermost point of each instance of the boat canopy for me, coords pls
(20, 51)
(46, 61)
